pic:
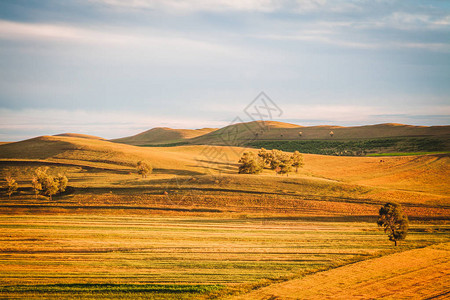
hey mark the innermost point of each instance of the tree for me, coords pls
(394, 221)
(285, 163)
(37, 187)
(47, 183)
(143, 168)
(266, 156)
(250, 163)
(275, 159)
(297, 160)
(11, 185)
(49, 186)
(61, 181)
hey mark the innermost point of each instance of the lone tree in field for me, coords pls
(143, 168)
(11, 186)
(250, 163)
(394, 222)
(297, 160)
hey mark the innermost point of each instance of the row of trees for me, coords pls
(277, 160)
(42, 183)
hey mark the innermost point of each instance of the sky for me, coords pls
(116, 68)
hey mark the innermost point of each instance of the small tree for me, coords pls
(11, 186)
(297, 160)
(250, 163)
(61, 181)
(36, 185)
(143, 169)
(394, 221)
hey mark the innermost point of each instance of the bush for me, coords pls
(143, 168)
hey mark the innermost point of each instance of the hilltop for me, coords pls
(79, 135)
(163, 135)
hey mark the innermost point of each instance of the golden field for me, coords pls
(194, 228)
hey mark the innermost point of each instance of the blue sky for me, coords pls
(115, 68)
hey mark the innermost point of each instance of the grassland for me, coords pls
(214, 255)
(196, 229)
(415, 274)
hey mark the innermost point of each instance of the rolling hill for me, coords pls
(269, 130)
(325, 139)
(163, 135)
(413, 174)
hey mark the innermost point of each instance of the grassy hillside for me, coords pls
(269, 130)
(404, 179)
(163, 135)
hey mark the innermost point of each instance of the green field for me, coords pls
(179, 257)
(357, 147)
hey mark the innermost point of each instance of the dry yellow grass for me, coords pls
(415, 274)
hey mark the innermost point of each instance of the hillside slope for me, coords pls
(242, 133)
(419, 274)
(163, 135)
(405, 179)
(101, 153)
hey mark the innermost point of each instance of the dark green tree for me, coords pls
(394, 221)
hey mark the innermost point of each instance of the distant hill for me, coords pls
(269, 130)
(163, 135)
(79, 135)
